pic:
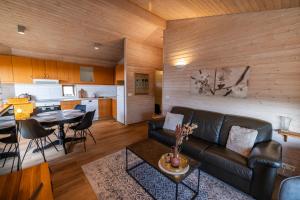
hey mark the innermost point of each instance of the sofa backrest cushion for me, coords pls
(209, 125)
(264, 128)
(186, 112)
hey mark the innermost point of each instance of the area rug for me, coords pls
(109, 180)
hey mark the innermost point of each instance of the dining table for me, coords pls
(50, 119)
(60, 118)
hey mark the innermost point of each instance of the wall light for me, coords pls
(180, 63)
(21, 29)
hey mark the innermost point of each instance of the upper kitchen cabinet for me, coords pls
(119, 74)
(6, 69)
(63, 70)
(104, 75)
(74, 73)
(22, 70)
(51, 69)
(38, 68)
(68, 73)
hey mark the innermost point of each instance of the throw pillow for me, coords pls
(241, 140)
(172, 120)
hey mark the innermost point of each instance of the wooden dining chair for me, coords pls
(32, 129)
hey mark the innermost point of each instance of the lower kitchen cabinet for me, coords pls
(67, 105)
(105, 108)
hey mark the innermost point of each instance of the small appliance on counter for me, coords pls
(27, 96)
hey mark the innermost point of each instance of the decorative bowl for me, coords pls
(167, 167)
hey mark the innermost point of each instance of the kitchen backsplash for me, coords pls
(54, 91)
(98, 90)
(7, 90)
(39, 91)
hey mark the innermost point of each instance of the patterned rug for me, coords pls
(109, 180)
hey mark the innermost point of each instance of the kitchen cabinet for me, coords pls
(114, 108)
(104, 75)
(22, 69)
(68, 73)
(63, 69)
(74, 73)
(119, 73)
(38, 68)
(105, 108)
(6, 69)
(70, 104)
(51, 69)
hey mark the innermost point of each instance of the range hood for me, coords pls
(45, 81)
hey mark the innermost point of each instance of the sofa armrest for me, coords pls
(156, 123)
(266, 153)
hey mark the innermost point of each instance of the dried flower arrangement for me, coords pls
(182, 133)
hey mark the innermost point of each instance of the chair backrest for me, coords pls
(87, 120)
(32, 129)
(80, 107)
(290, 189)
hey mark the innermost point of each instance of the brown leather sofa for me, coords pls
(254, 175)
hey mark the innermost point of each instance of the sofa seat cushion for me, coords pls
(195, 147)
(164, 136)
(228, 160)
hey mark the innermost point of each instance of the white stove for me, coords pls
(47, 105)
(47, 102)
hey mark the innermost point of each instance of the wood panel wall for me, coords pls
(140, 58)
(267, 41)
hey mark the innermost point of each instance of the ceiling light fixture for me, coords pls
(97, 46)
(21, 29)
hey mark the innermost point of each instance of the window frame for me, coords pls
(73, 88)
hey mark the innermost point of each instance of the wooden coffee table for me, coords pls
(150, 151)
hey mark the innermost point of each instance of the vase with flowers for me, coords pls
(182, 133)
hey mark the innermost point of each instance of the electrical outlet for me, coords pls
(288, 167)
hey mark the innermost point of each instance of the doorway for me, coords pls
(158, 80)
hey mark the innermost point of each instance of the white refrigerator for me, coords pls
(121, 104)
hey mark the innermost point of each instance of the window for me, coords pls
(68, 90)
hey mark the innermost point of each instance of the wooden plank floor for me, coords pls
(69, 181)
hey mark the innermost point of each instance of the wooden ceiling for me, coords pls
(68, 29)
(181, 9)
